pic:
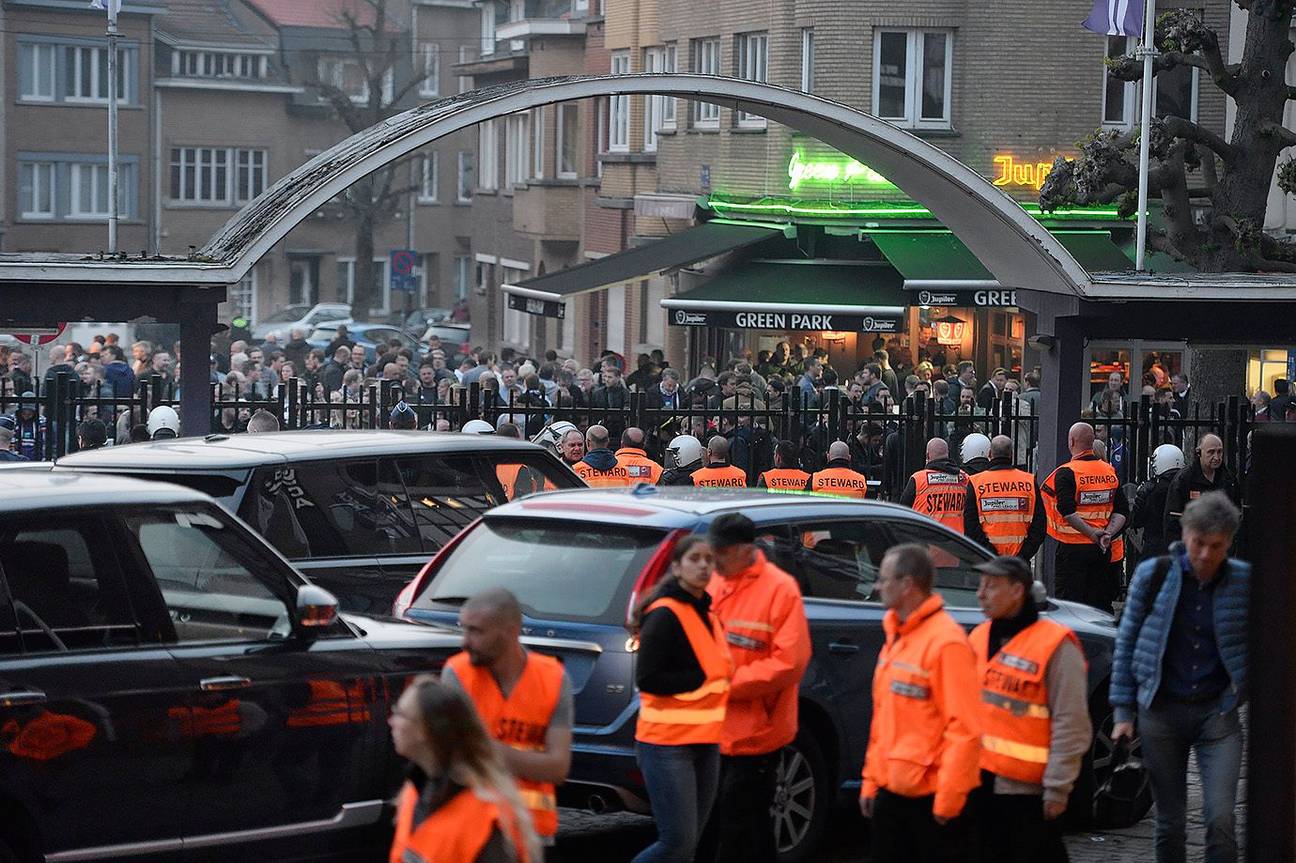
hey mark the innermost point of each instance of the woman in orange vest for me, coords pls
(683, 672)
(459, 804)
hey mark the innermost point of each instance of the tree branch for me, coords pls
(1284, 135)
(1188, 130)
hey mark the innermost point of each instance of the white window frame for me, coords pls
(560, 141)
(465, 56)
(1195, 95)
(670, 65)
(654, 60)
(127, 68)
(241, 166)
(487, 156)
(332, 70)
(97, 207)
(517, 149)
(619, 108)
(537, 143)
(463, 276)
(187, 63)
(488, 28)
(516, 329)
(1129, 88)
(706, 61)
(42, 179)
(807, 59)
(247, 286)
(430, 53)
(384, 289)
(430, 185)
(39, 67)
(465, 166)
(752, 64)
(914, 48)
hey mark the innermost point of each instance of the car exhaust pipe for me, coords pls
(597, 804)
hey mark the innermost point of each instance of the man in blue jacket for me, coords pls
(1180, 666)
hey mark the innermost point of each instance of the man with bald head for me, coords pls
(1003, 509)
(524, 700)
(939, 490)
(1205, 473)
(1086, 510)
(837, 478)
(599, 466)
(634, 460)
(719, 473)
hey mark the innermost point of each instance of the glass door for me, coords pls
(1141, 364)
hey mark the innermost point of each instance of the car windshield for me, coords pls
(283, 316)
(579, 571)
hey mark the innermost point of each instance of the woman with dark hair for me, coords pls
(459, 803)
(683, 672)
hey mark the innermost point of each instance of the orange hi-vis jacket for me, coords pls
(765, 626)
(941, 495)
(697, 716)
(1016, 727)
(1096, 485)
(721, 476)
(784, 479)
(638, 467)
(839, 481)
(616, 477)
(455, 833)
(926, 731)
(1005, 502)
(520, 721)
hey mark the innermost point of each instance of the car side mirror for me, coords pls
(316, 607)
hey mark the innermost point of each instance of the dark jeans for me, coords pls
(1169, 729)
(1084, 574)
(681, 784)
(741, 829)
(1031, 839)
(904, 831)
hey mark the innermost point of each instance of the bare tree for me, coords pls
(1192, 165)
(374, 44)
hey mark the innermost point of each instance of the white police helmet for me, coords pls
(163, 422)
(975, 445)
(684, 451)
(478, 427)
(1167, 457)
(551, 435)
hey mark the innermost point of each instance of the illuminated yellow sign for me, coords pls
(837, 168)
(1011, 171)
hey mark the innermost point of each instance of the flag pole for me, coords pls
(1147, 50)
(113, 213)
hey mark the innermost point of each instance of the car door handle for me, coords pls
(843, 646)
(22, 698)
(223, 684)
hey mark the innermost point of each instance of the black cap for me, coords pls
(732, 528)
(1008, 567)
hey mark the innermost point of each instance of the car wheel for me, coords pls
(1088, 806)
(801, 800)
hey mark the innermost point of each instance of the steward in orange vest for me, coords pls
(632, 459)
(837, 478)
(1035, 726)
(718, 473)
(599, 468)
(939, 490)
(524, 699)
(784, 476)
(1003, 509)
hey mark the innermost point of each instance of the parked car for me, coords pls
(306, 318)
(357, 512)
(455, 338)
(169, 684)
(579, 561)
(419, 319)
(368, 336)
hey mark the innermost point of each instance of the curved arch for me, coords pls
(1014, 247)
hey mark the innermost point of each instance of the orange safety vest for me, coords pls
(455, 833)
(1096, 486)
(1016, 727)
(638, 467)
(509, 476)
(521, 721)
(724, 476)
(594, 478)
(697, 716)
(839, 481)
(785, 479)
(941, 495)
(1005, 502)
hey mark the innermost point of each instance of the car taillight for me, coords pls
(652, 572)
(406, 597)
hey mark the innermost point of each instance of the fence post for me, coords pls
(293, 393)
(834, 415)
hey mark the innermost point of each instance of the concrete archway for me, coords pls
(1013, 246)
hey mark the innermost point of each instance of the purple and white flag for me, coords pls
(1116, 18)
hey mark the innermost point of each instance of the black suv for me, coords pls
(170, 687)
(357, 512)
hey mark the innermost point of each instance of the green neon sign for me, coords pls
(804, 169)
(881, 210)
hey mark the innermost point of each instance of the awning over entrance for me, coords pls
(796, 295)
(939, 263)
(688, 247)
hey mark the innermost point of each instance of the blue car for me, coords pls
(580, 560)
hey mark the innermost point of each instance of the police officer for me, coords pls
(7, 453)
(1086, 509)
(599, 466)
(719, 473)
(938, 490)
(785, 475)
(634, 460)
(975, 453)
(838, 478)
(1003, 509)
(1035, 726)
(683, 459)
(1148, 511)
(403, 417)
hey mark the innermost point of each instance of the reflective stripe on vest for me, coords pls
(1005, 502)
(521, 721)
(839, 481)
(941, 495)
(637, 466)
(1016, 723)
(785, 479)
(455, 832)
(696, 716)
(725, 476)
(1096, 486)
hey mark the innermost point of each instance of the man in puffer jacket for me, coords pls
(1180, 668)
